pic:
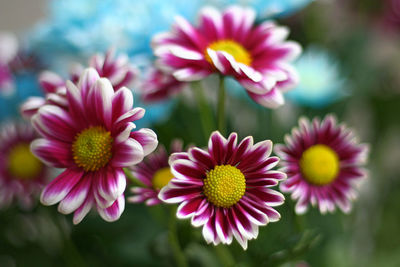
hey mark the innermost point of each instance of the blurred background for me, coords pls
(350, 67)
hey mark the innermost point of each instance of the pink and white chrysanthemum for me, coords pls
(160, 86)
(225, 189)
(22, 175)
(154, 172)
(8, 51)
(118, 70)
(322, 161)
(257, 56)
(93, 140)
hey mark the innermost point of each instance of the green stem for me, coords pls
(206, 115)
(221, 106)
(174, 242)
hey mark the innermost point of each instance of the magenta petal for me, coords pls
(172, 194)
(122, 102)
(127, 153)
(111, 183)
(53, 153)
(54, 122)
(60, 186)
(113, 212)
(187, 208)
(76, 196)
(147, 138)
(81, 212)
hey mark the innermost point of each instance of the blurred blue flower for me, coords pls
(268, 8)
(320, 80)
(26, 84)
(82, 27)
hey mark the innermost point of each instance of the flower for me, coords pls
(154, 172)
(78, 27)
(118, 70)
(22, 175)
(226, 188)
(230, 44)
(320, 81)
(322, 161)
(8, 52)
(93, 140)
(160, 86)
(270, 7)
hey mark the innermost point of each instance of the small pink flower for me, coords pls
(154, 172)
(8, 51)
(92, 139)
(118, 70)
(22, 175)
(225, 189)
(160, 86)
(322, 161)
(257, 56)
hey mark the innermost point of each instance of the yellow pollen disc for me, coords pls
(22, 163)
(224, 186)
(92, 148)
(233, 48)
(162, 177)
(319, 165)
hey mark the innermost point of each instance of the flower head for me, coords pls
(320, 81)
(322, 161)
(22, 175)
(231, 44)
(225, 189)
(8, 51)
(159, 86)
(118, 70)
(92, 139)
(154, 172)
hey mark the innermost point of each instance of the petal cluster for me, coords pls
(257, 56)
(160, 86)
(350, 156)
(254, 208)
(91, 105)
(117, 69)
(146, 173)
(22, 176)
(8, 51)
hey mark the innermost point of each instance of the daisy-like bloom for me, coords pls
(160, 86)
(230, 43)
(226, 188)
(154, 172)
(322, 161)
(118, 70)
(22, 175)
(8, 51)
(93, 140)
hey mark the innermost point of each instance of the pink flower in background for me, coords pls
(322, 161)
(8, 51)
(22, 175)
(118, 70)
(154, 172)
(93, 140)
(225, 189)
(257, 56)
(160, 86)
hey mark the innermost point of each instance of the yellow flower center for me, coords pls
(22, 163)
(224, 186)
(92, 148)
(233, 48)
(319, 165)
(162, 177)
